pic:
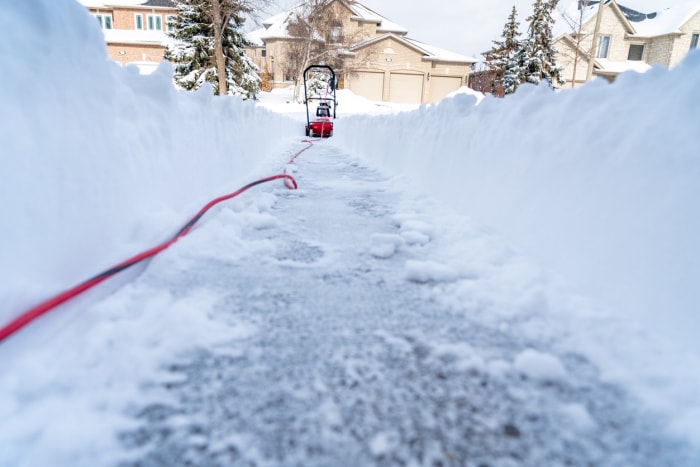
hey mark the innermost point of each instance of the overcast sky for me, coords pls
(462, 26)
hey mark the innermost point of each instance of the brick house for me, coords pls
(380, 61)
(135, 30)
(634, 35)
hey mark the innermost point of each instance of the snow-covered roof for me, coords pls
(661, 21)
(126, 3)
(429, 52)
(436, 53)
(132, 36)
(363, 13)
(646, 18)
(611, 67)
(275, 27)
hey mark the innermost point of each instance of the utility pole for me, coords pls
(594, 43)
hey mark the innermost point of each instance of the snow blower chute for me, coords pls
(319, 86)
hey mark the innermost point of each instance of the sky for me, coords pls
(100, 163)
(463, 26)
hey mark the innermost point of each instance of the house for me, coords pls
(633, 35)
(135, 30)
(380, 61)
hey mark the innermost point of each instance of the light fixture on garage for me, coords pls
(122, 52)
(388, 59)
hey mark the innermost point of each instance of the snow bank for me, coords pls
(97, 161)
(599, 184)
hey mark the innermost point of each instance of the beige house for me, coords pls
(380, 62)
(135, 30)
(633, 35)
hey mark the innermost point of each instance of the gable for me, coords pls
(392, 47)
(386, 42)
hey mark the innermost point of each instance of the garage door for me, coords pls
(406, 89)
(367, 84)
(440, 86)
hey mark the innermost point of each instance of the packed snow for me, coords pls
(543, 245)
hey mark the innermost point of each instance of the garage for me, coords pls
(367, 84)
(440, 86)
(405, 88)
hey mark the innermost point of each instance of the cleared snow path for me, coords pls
(343, 351)
(348, 323)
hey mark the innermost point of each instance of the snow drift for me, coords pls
(599, 184)
(97, 161)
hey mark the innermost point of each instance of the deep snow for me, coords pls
(597, 185)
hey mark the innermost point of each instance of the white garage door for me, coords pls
(440, 86)
(369, 85)
(406, 89)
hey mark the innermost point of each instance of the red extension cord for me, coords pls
(35, 312)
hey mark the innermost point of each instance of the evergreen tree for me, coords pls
(499, 58)
(515, 73)
(539, 53)
(208, 47)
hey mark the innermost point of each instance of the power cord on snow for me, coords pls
(27, 317)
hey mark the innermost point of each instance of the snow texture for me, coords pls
(458, 284)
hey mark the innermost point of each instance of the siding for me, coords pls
(681, 45)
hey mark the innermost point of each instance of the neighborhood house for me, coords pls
(380, 62)
(135, 30)
(633, 35)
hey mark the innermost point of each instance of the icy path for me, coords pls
(329, 326)
(352, 360)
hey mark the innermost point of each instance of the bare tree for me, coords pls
(316, 36)
(309, 29)
(575, 23)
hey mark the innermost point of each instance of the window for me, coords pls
(288, 74)
(104, 20)
(336, 35)
(170, 23)
(603, 46)
(155, 22)
(264, 53)
(636, 52)
(138, 21)
(694, 41)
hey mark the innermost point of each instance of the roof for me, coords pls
(129, 36)
(127, 3)
(162, 3)
(275, 27)
(362, 13)
(429, 52)
(442, 55)
(644, 18)
(607, 67)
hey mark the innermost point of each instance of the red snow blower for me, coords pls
(320, 80)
